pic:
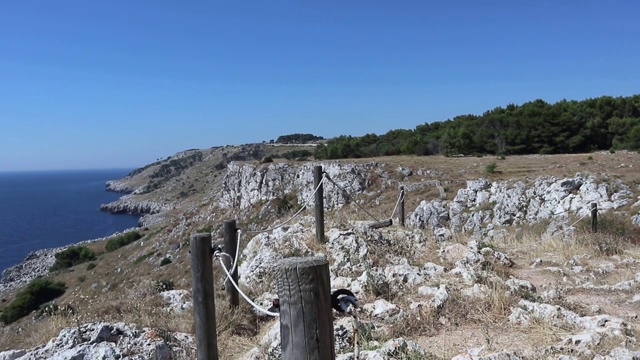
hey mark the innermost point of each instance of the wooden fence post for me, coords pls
(317, 179)
(594, 217)
(230, 247)
(204, 308)
(306, 319)
(401, 206)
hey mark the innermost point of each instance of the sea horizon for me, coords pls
(127, 169)
(42, 209)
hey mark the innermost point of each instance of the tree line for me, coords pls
(298, 138)
(535, 127)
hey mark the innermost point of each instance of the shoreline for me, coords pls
(37, 263)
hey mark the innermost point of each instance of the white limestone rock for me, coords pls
(348, 251)
(381, 309)
(517, 286)
(619, 353)
(392, 349)
(177, 300)
(109, 341)
(261, 256)
(246, 184)
(12, 354)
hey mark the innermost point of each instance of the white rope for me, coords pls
(400, 198)
(256, 306)
(294, 215)
(235, 261)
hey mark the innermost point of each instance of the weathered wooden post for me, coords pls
(594, 217)
(230, 247)
(203, 297)
(401, 206)
(306, 320)
(317, 184)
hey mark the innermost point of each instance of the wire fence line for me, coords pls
(351, 198)
(304, 206)
(550, 237)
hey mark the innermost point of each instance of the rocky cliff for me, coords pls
(489, 266)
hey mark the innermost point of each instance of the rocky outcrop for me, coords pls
(36, 263)
(483, 205)
(248, 184)
(103, 340)
(130, 204)
(367, 262)
(120, 186)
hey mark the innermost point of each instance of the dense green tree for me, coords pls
(535, 127)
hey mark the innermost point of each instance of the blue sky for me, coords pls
(109, 84)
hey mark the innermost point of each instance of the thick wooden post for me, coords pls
(317, 178)
(594, 217)
(203, 297)
(306, 320)
(230, 247)
(401, 206)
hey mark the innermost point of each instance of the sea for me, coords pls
(44, 209)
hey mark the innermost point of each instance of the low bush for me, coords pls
(72, 256)
(144, 257)
(162, 285)
(122, 240)
(38, 292)
(491, 168)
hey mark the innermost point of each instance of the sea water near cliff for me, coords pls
(43, 209)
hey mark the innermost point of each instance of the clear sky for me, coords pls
(121, 83)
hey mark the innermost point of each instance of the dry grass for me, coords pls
(124, 291)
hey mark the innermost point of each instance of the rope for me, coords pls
(550, 237)
(255, 306)
(235, 261)
(400, 198)
(560, 213)
(349, 196)
(294, 215)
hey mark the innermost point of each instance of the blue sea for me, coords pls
(55, 208)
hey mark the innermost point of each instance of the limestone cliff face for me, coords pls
(483, 205)
(246, 184)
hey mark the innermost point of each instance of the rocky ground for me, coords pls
(491, 265)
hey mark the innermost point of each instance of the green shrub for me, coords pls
(162, 285)
(144, 257)
(165, 261)
(38, 292)
(491, 168)
(286, 203)
(206, 229)
(91, 266)
(122, 240)
(72, 256)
